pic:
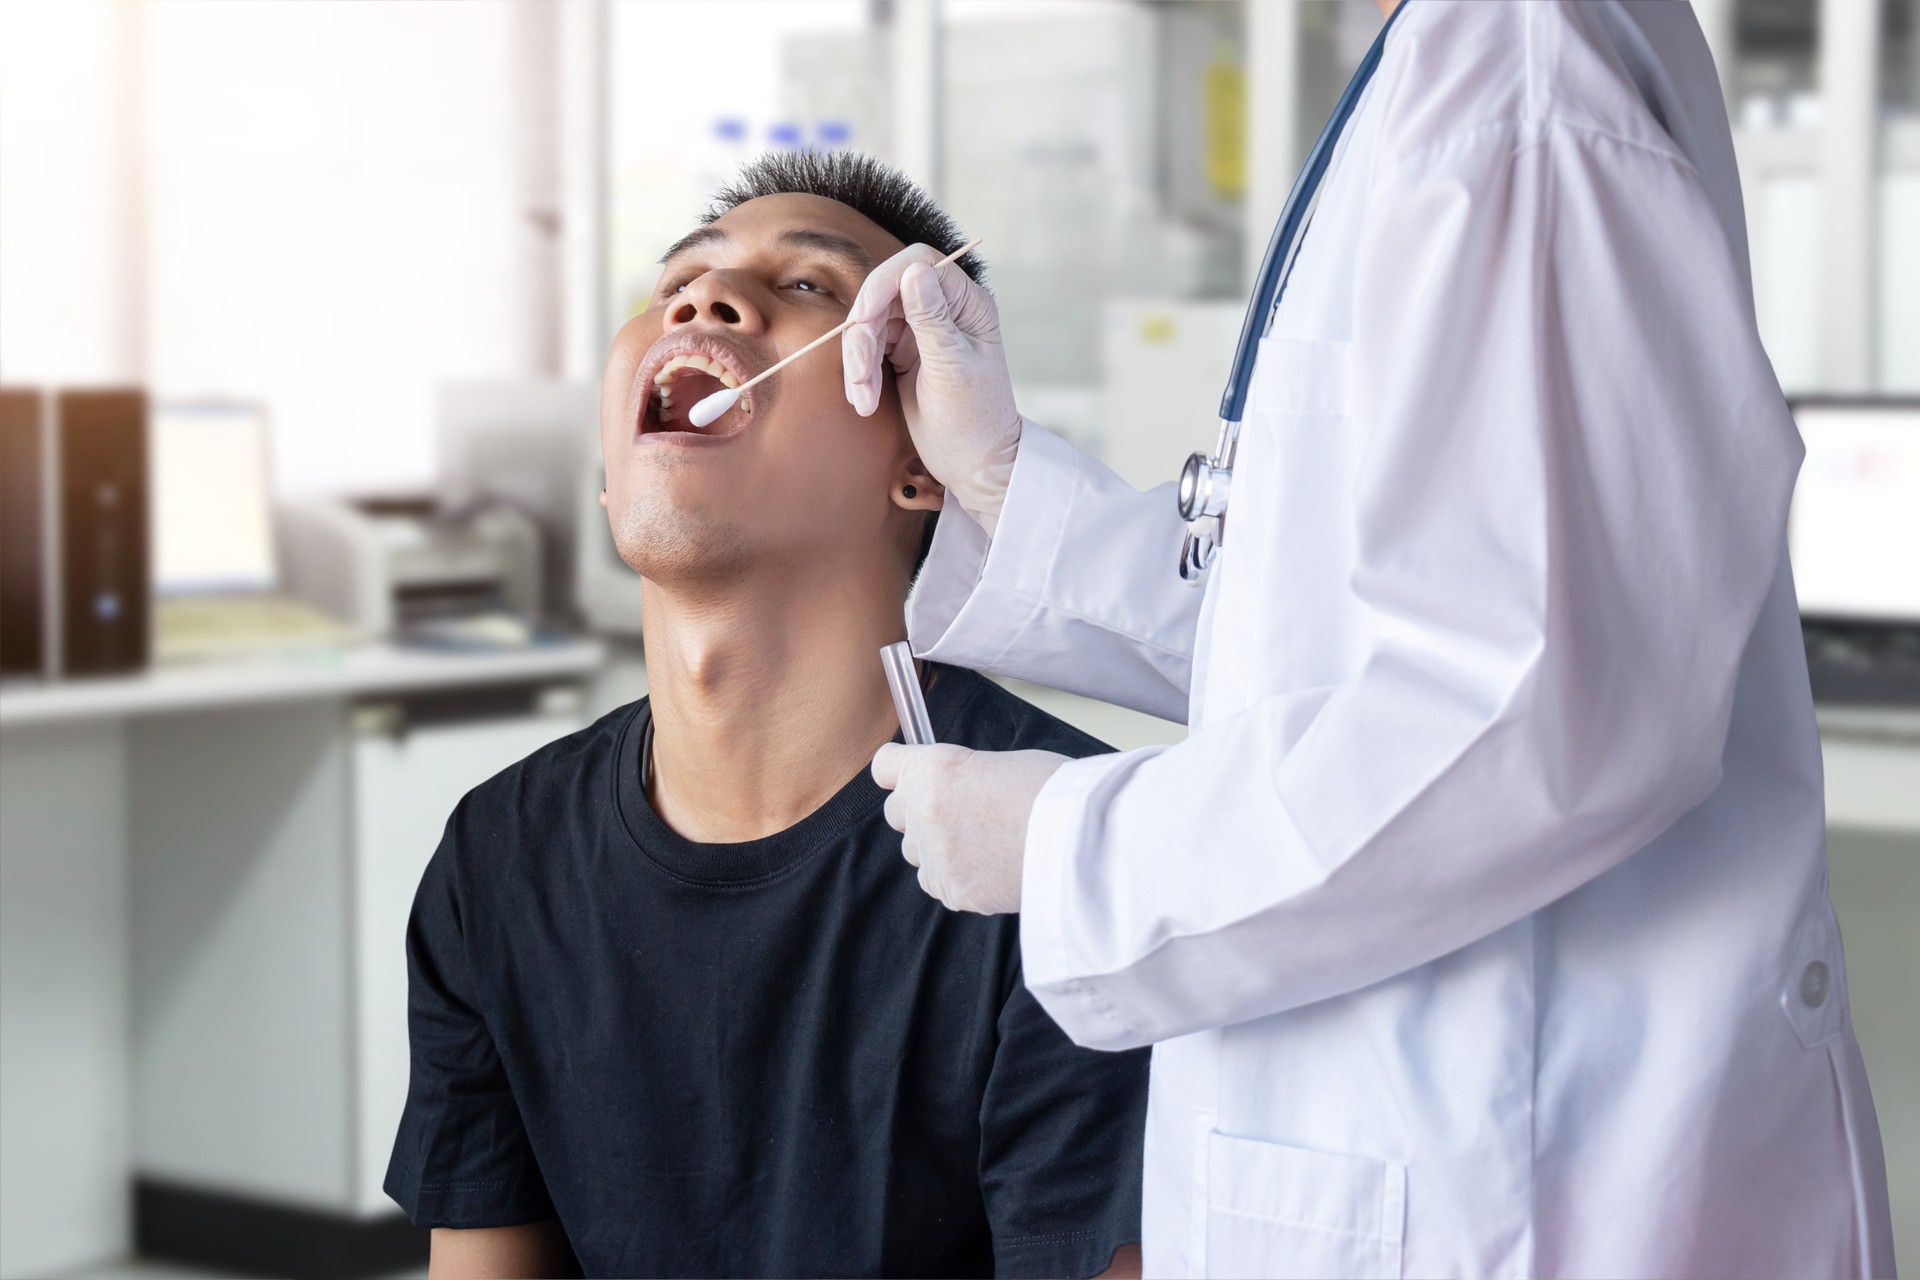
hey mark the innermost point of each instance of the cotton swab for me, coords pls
(708, 411)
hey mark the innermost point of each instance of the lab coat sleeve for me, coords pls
(1079, 588)
(1569, 505)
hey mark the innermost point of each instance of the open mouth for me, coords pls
(682, 381)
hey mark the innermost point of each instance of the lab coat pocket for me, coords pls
(1275, 1210)
(1813, 991)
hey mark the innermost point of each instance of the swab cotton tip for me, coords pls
(709, 409)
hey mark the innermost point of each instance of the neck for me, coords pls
(767, 697)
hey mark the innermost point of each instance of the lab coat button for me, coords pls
(1813, 984)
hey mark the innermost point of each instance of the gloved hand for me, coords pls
(941, 333)
(964, 815)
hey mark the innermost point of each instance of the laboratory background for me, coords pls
(302, 310)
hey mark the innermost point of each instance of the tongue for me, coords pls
(690, 387)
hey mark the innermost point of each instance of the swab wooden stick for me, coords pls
(711, 407)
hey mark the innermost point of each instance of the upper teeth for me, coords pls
(696, 362)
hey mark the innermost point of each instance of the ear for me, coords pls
(927, 492)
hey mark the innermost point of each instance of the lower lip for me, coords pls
(693, 439)
(682, 439)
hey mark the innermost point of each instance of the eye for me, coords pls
(810, 286)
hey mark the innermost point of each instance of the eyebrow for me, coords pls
(828, 243)
(837, 246)
(693, 240)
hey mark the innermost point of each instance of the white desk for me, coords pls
(1873, 768)
(346, 673)
(214, 798)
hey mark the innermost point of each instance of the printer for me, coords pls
(408, 569)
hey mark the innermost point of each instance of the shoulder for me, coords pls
(541, 792)
(1459, 72)
(970, 710)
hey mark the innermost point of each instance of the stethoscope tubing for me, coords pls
(1271, 283)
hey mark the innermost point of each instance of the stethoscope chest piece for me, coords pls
(1204, 487)
(1205, 482)
(1196, 555)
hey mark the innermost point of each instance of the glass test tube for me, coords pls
(915, 728)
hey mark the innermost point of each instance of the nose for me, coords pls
(714, 297)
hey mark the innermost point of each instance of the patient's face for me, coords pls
(792, 477)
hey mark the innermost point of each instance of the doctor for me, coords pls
(1480, 923)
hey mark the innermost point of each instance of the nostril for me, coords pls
(682, 313)
(724, 313)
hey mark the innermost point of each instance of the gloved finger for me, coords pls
(922, 300)
(895, 812)
(863, 360)
(902, 357)
(944, 303)
(864, 345)
(859, 356)
(889, 762)
(932, 305)
(903, 349)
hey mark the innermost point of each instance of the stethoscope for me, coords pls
(1205, 482)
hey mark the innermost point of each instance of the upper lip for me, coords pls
(727, 353)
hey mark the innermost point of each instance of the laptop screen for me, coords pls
(212, 503)
(1854, 533)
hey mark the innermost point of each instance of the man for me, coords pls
(676, 1002)
(1482, 918)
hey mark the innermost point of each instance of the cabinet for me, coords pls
(405, 782)
(274, 855)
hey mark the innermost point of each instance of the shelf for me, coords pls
(341, 673)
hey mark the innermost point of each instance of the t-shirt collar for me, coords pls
(743, 864)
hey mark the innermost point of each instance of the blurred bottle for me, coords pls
(833, 135)
(1225, 114)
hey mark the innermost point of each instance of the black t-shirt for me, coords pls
(770, 1058)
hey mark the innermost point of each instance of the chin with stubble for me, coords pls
(680, 548)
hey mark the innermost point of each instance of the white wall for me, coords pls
(70, 252)
(322, 206)
(335, 221)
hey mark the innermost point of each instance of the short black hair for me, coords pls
(866, 184)
(926, 543)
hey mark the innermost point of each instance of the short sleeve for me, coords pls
(1061, 1131)
(462, 1158)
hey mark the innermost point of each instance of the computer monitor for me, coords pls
(1854, 531)
(212, 499)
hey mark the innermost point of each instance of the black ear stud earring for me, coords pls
(909, 491)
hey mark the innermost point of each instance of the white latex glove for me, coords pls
(964, 815)
(941, 333)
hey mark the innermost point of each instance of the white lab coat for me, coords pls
(1481, 922)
